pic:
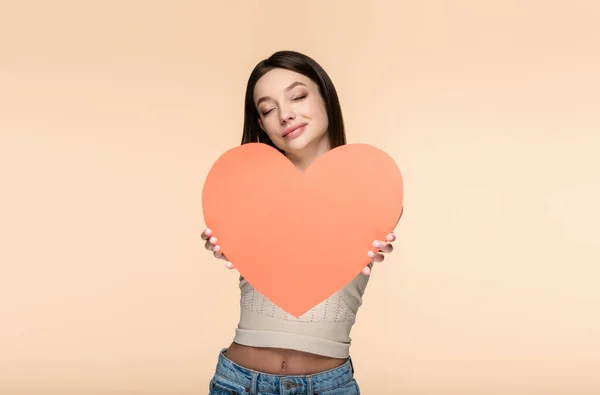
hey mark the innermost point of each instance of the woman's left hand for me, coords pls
(383, 247)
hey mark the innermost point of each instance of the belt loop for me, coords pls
(254, 385)
(309, 385)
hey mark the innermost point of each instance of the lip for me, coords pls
(293, 128)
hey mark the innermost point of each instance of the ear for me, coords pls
(261, 124)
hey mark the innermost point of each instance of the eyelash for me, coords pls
(294, 99)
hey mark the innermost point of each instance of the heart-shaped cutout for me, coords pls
(299, 237)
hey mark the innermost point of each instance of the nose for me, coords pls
(287, 114)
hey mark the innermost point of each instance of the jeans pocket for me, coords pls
(221, 386)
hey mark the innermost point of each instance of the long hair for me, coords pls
(306, 66)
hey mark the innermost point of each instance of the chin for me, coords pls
(298, 144)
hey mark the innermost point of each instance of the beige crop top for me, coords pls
(323, 330)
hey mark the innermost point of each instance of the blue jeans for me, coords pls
(233, 379)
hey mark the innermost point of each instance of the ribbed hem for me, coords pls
(294, 341)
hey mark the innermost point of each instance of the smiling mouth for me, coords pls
(295, 132)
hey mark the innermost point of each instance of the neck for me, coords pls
(303, 159)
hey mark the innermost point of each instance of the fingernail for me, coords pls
(213, 240)
(217, 248)
(371, 254)
(376, 244)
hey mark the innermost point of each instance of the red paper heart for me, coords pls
(299, 237)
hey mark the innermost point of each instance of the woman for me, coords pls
(292, 105)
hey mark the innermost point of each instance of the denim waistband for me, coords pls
(272, 383)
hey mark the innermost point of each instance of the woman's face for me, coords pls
(292, 112)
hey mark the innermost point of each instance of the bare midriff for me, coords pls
(280, 361)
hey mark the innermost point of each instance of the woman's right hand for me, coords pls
(211, 245)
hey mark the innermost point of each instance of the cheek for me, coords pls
(320, 115)
(316, 111)
(270, 126)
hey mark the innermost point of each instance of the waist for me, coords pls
(323, 337)
(270, 383)
(280, 361)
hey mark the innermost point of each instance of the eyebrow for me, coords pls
(293, 85)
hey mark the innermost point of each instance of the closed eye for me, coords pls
(265, 113)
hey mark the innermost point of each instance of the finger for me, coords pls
(210, 243)
(391, 237)
(218, 252)
(229, 265)
(206, 234)
(383, 247)
(367, 269)
(375, 257)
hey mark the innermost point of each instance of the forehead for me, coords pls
(275, 81)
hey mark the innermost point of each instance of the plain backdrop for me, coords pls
(112, 112)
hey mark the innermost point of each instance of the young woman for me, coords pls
(292, 105)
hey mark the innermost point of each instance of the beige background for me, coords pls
(112, 112)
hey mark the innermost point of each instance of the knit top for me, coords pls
(323, 330)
